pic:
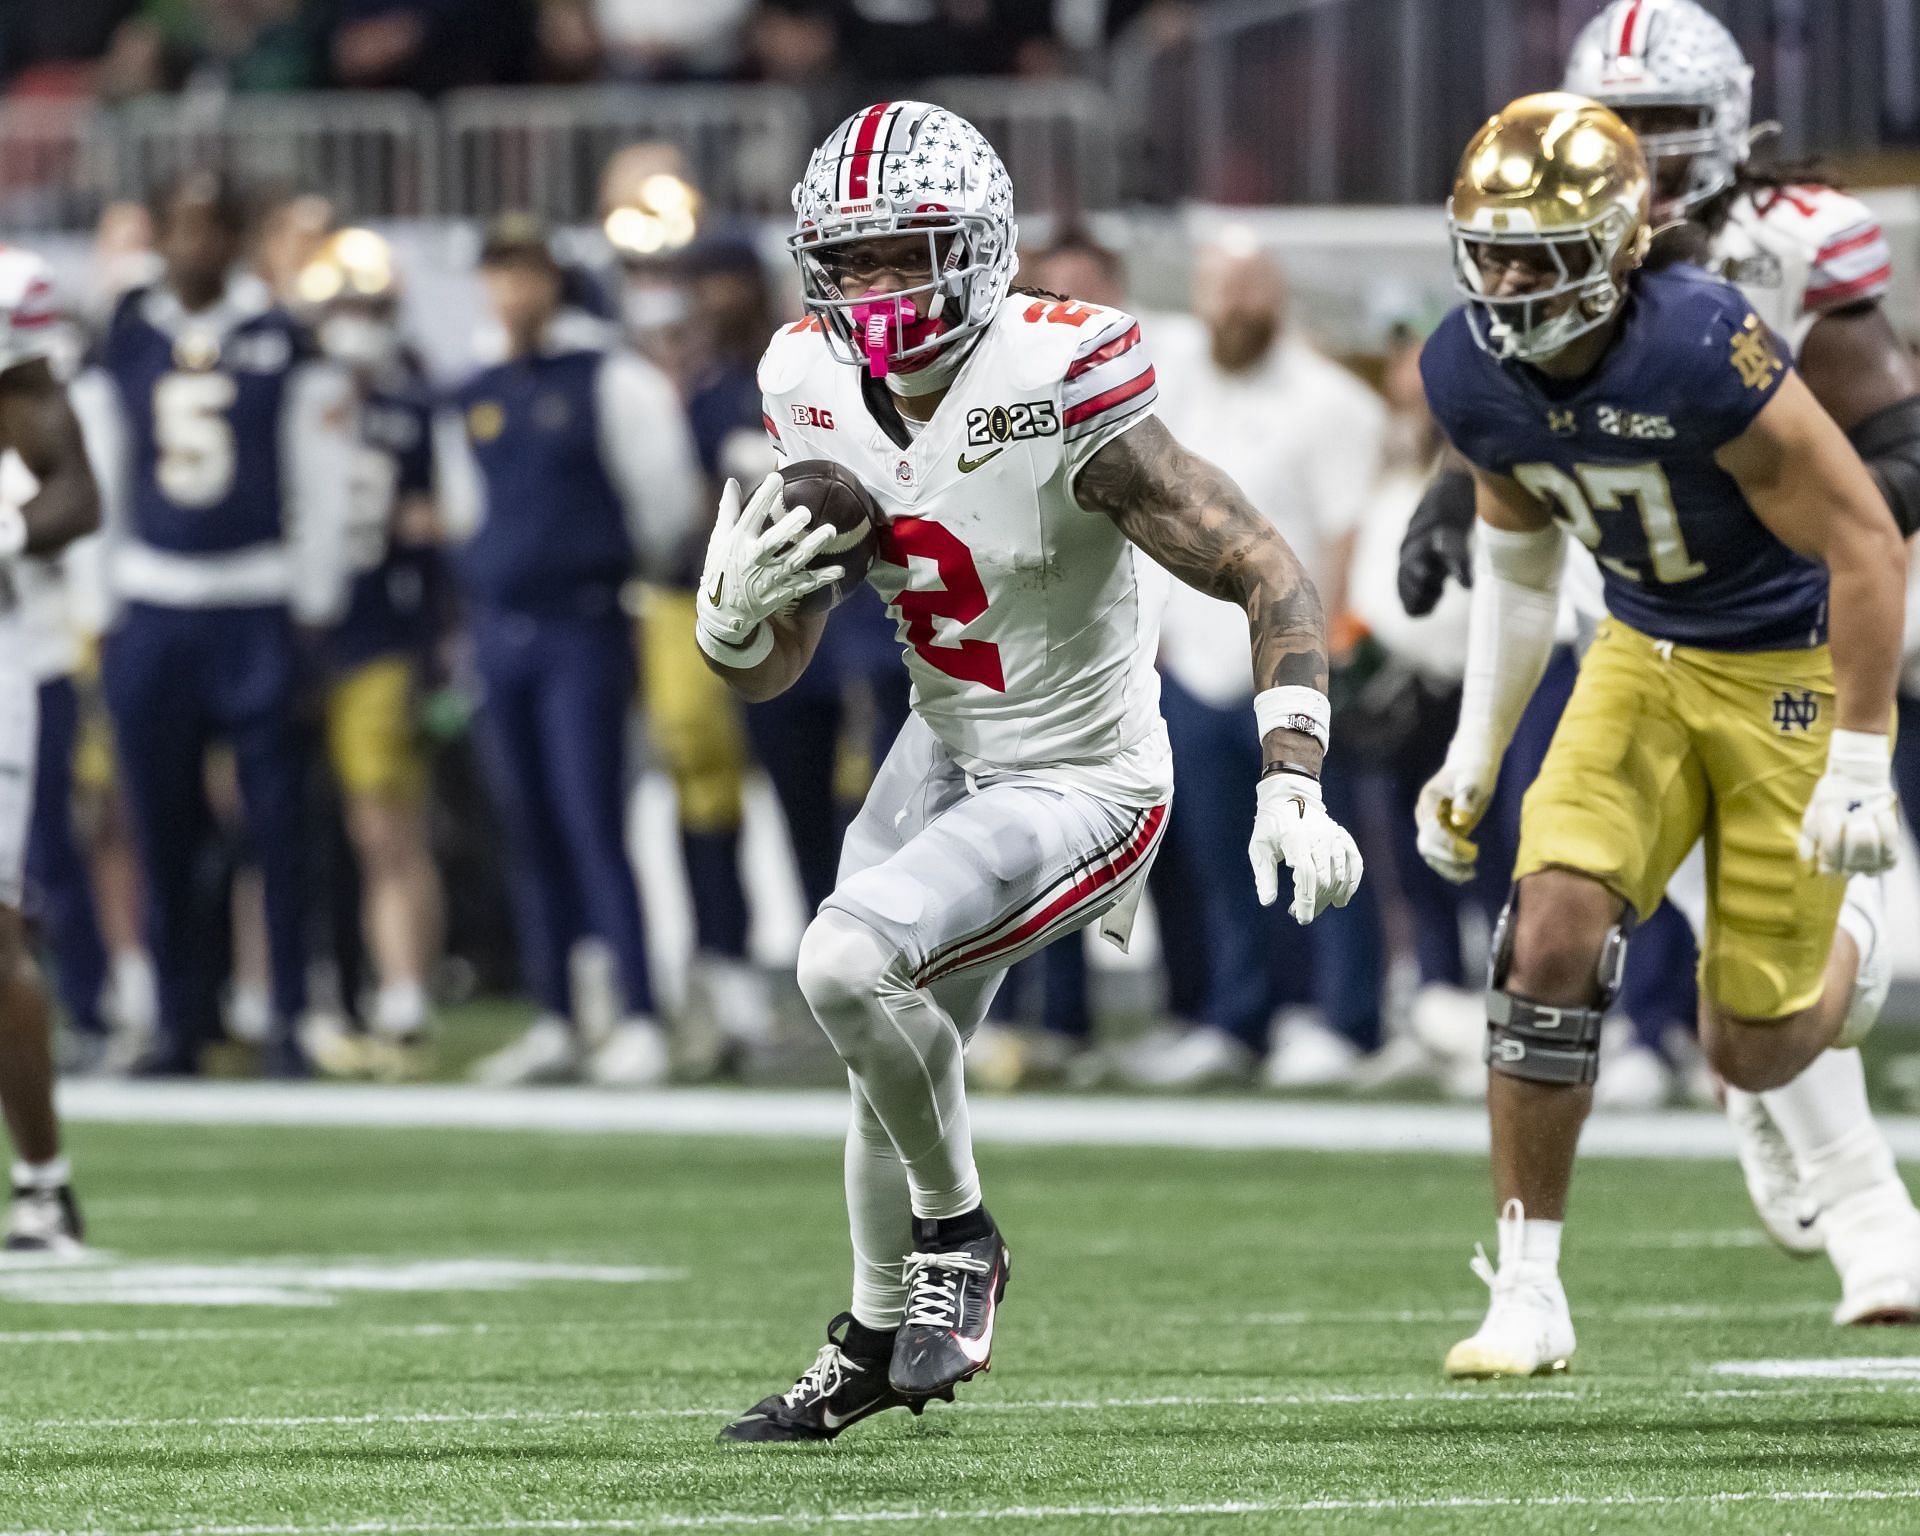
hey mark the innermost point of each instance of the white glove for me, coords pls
(1852, 825)
(13, 531)
(753, 572)
(1450, 807)
(1291, 826)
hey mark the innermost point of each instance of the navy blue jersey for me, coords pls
(204, 400)
(1624, 457)
(387, 604)
(554, 537)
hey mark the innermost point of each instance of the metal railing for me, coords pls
(1363, 101)
(1255, 102)
(544, 149)
(479, 152)
(375, 155)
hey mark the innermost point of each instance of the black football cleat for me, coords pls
(953, 1296)
(844, 1385)
(45, 1221)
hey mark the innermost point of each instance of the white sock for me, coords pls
(904, 1053)
(1528, 1241)
(400, 1008)
(880, 1214)
(48, 1175)
(1824, 1116)
(135, 991)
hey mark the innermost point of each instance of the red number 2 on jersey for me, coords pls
(961, 598)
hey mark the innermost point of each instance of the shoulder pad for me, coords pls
(1809, 217)
(794, 352)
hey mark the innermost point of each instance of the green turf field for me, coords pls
(1271, 1364)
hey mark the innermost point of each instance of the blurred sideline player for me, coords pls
(650, 213)
(1028, 490)
(223, 464)
(351, 289)
(1304, 438)
(37, 424)
(1815, 266)
(1652, 414)
(565, 469)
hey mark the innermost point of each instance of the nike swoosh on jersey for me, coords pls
(968, 466)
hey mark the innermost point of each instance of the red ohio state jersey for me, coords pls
(1028, 624)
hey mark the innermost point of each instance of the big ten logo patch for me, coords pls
(1011, 423)
(813, 416)
(1794, 711)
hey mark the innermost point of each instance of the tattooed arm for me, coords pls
(1198, 524)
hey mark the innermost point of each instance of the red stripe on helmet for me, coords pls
(1628, 28)
(862, 158)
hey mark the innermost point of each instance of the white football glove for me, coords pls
(1450, 807)
(753, 572)
(1291, 826)
(1852, 825)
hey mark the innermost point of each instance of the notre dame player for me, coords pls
(1815, 265)
(1652, 415)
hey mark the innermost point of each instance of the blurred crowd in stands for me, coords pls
(120, 49)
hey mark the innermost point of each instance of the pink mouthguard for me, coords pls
(873, 321)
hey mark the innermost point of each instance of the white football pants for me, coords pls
(19, 724)
(944, 883)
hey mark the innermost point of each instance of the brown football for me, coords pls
(831, 495)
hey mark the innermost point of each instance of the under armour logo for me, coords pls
(1563, 423)
(1794, 711)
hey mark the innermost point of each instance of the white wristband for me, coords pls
(750, 652)
(1862, 755)
(13, 531)
(1294, 708)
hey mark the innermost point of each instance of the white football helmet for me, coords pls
(906, 168)
(1646, 54)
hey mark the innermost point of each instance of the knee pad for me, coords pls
(842, 965)
(1543, 1044)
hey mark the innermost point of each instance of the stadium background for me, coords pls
(1325, 132)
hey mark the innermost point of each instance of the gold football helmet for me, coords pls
(1557, 183)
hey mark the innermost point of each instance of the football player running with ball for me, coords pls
(1652, 414)
(1815, 265)
(1029, 498)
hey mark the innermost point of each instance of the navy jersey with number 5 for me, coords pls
(221, 442)
(1624, 459)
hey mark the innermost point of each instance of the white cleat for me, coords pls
(547, 1053)
(1307, 1054)
(1528, 1330)
(1874, 1241)
(44, 1224)
(1204, 1056)
(1863, 914)
(1788, 1212)
(636, 1055)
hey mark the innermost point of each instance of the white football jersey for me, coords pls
(1029, 624)
(1797, 254)
(26, 333)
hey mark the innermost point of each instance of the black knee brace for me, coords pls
(1539, 1043)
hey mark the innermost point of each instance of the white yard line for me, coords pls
(1018, 1514)
(1517, 1394)
(1037, 1120)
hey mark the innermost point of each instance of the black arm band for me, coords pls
(1889, 441)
